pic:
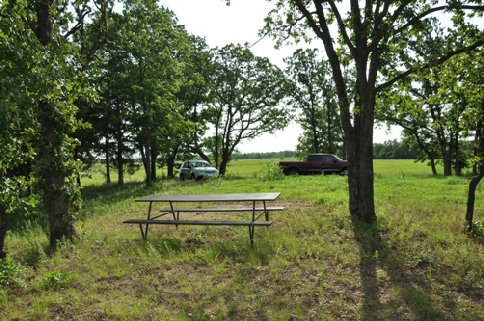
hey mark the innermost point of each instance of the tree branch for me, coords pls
(342, 27)
(433, 10)
(439, 61)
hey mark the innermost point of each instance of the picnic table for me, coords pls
(258, 209)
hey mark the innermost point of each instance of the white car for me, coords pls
(197, 169)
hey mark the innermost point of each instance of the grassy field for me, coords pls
(313, 263)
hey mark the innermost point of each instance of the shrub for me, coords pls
(271, 172)
(12, 273)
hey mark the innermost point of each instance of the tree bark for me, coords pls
(432, 165)
(106, 152)
(146, 158)
(55, 199)
(471, 196)
(3, 230)
(360, 170)
(223, 166)
(119, 159)
(458, 165)
(170, 162)
(154, 156)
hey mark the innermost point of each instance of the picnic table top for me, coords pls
(211, 197)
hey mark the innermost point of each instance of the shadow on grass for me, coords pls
(409, 292)
(118, 193)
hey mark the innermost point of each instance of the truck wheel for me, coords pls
(292, 171)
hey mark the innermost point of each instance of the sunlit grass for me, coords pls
(313, 263)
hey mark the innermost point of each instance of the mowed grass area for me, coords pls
(313, 263)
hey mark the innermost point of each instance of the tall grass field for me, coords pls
(314, 263)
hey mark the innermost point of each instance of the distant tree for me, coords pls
(313, 96)
(193, 96)
(428, 107)
(466, 75)
(370, 39)
(247, 93)
(152, 40)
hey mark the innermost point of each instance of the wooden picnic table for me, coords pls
(258, 209)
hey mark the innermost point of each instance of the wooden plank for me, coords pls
(185, 222)
(211, 197)
(242, 209)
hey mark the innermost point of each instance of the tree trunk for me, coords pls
(55, 199)
(223, 166)
(3, 230)
(471, 196)
(476, 149)
(106, 152)
(458, 164)
(154, 156)
(50, 144)
(146, 158)
(360, 174)
(170, 164)
(432, 165)
(120, 160)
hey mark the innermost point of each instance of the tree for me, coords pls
(373, 36)
(153, 41)
(314, 95)
(247, 92)
(18, 53)
(193, 96)
(466, 75)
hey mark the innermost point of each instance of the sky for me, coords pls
(240, 22)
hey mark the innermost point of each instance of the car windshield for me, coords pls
(201, 164)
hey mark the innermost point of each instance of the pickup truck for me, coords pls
(315, 164)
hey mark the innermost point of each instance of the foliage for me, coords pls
(271, 172)
(55, 280)
(12, 274)
(247, 92)
(314, 98)
(392, 149)
(372, 41)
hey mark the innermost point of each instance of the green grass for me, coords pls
(313, 263)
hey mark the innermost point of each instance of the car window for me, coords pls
(314, 158)
(327, 159)
(185, 165)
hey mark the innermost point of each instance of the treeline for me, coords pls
(393, 149)
(282, 154)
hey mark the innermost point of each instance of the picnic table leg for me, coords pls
(266, 211)
(145, 234)
(175, 217)
(251, 235)
(253, 211)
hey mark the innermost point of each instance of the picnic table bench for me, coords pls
(260, 199)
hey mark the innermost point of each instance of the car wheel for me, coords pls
(193, 176)
(182, 178)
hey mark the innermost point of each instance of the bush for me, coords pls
(271, 172)
(12, 273)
